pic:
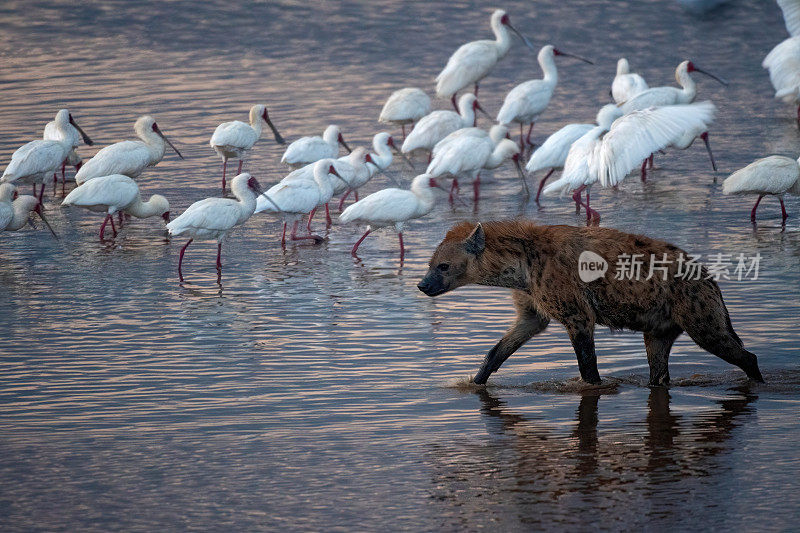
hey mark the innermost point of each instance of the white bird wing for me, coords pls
(529, 98)
(467, 153)
(634, 137)
(127, 157)
(626, 86)
(409, 104)
(35, 157)
(114, 190)
(656, 96)
(769, 175)
(470, 63)
(576, 167)
(783, 64)
(791, 16)
(307, 149)
(553, 152)
(236, 134)
(296, 196)
(382, 207)
(431, 129)
(215, 214)
(52, 133)
(476, 132)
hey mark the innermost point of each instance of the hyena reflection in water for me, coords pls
(540, 265)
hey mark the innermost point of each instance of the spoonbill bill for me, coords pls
(234, 139)
(307, 150)
(405, 106)
(439, 124)
(116, 194)
(775, 175)
(663, 96)
(14, 214)
(626, 84)
(392, 207)
(214, 218)
(525, 102)
(297, 197)
(783, 61)
(72, 134)
(129, 158)
(474, 60)
(465, 157)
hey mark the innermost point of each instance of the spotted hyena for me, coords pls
(540, 265)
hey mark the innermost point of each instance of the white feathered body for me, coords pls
(774, 175)
(231, 140)
(783, 64)
(437, 125)
(553, 151)
(35, 161)
(626, 84)
(577, 166)
(392, 206)
(307, 150)
(105, 194)
(405, 106)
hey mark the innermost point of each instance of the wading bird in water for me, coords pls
(770, 176)
(14, 214)
(214, 218)
(626, 84)
(783, 61)
(72, 134)
(474, 60)
(129, 158)
(436, 126)
(232, 140)
(405, 106)
(307, 150)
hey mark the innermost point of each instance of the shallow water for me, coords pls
(312, 391)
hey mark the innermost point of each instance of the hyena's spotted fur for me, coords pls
(540, 265)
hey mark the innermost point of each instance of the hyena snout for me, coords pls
(433, 283)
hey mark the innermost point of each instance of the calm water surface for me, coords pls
(311, 391)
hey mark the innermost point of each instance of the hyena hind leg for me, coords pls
(718, 338)
(658, 345)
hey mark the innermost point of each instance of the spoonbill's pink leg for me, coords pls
(476, 90)
(783, 209)
(521, 137)
(528, 138)
(283, 237)
(310, 217)
(120, 219)
(402, 248)
(453, 189)
(103, 226)
(55, 181)
(644, 170)
(704, 136)
(111, 218)
(430, 157)
(294, 237)
(455, 106)
(240, 168)
(358, 242)
(344, 197)
(355, 193)
(650, 161)
(328, 221)
(219, 256)
(180, 259)
(541, 184)
(590, 213)
(224, 167)
(41, 193)
(404, 131)
(576, 196)
(753, 212)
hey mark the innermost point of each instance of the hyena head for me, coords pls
(454, 263)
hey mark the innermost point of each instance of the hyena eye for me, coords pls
(443, 267)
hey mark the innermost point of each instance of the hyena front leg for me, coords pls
(582, 336)
(529, 323)
(658, 344)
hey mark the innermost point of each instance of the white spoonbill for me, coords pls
(525, 102)
(496, 133)
(72, 134)
(465, 157)
(295, 198)
(783, 61)
(232, 140)
(129, 158)
(392, 207)
(774, 176)
(116, 194)
(214, 218)
(307, 150)
(14, 214)
(662, 96)
(35, 162)
(474, 60)
(383, 144)
(405, 106)
(552, 154)
(437, 125)
(626, 84)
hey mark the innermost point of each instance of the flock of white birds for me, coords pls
(642, 120)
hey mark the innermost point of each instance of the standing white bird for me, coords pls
(496, 133)
(783, 61)
(464, 158)
(405, 106)
(439, 124)
(232, 140)
(626, 84)
(395, 207)
(214, 218)
(35, 162)
(116, 194)
(774, 175)
(129, 158)
(297, 197)
(474, 60)
(552, 154)
(70, 133)
(661, 96)
(525, 102)
(307, 150)
(14, 214)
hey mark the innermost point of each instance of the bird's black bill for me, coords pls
(712, 76)
(522, 177)
(86, 140)
(46, 223)
(404, 156)
(524, 39)
(278, 138)
(161, 134)
(341, 141)
(576, 57)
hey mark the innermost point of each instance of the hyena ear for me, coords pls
(476, 242)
